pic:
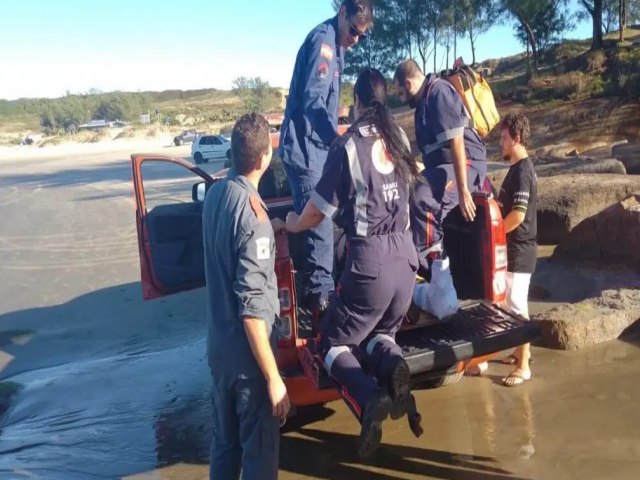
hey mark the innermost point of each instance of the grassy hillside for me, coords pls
(569, 71)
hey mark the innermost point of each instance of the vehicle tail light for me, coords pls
(500, 283)
(288, 312)
(284, 326)
(500, 257)
(286, 294)
(494, 252)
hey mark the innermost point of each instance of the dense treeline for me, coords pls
(430, 31)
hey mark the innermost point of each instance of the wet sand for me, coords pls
(114, 387)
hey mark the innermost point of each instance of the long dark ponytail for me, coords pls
(371, 90)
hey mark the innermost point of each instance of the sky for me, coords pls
(49, 48)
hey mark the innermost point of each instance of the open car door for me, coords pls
(169, 224)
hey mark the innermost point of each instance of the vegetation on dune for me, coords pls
(550, 69)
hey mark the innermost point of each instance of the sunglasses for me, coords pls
(355, 33)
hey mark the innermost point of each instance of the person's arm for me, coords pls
(520, 199)
(467, 206)
(322, 64)
(310, 217)
(513, 220)
(448, 121)
(256, 331)
(255, 251)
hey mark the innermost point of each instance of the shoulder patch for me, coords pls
(263, 252)
(258, 209)
(326, 51)
(323, 70)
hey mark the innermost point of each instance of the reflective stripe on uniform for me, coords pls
(332, 354)
(448, 135)
(361, 189)
(431, 147)
(379, 338)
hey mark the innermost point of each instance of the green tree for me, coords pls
(595, 10)
(110, 110)
(475, 18)
(538, 21)
(383, 47)
(47, 120)
(256, 94)
(611, 13)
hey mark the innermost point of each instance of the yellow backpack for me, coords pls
(477, 98)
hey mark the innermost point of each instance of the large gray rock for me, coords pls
(602, 150)
(564, 201)
(550, 166)
(611, 237)
(629, 155)
(591, 321)
(581, 165)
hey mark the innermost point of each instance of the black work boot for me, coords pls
(399, 385)
(375, 412)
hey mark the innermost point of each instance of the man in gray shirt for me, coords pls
(249, 396)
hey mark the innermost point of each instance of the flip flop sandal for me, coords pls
(476, 370)
(515, 379)
(513, 360)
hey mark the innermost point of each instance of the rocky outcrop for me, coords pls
(579, 165)
(602, 150)
(629, 155)
(564, 201)
(591, 321)
(551, 166)
(611, 237)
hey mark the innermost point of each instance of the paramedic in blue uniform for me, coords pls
(249, 396)
(309, 127)
(369, 175)
(454, 156)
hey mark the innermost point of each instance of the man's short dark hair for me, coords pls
(407, 69)
(250, 140)
(363, 9)
(517, 123)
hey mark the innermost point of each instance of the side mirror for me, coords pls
(199, 191)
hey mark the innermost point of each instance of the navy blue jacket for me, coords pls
(373, 197)
(311, 115)
(439, 117)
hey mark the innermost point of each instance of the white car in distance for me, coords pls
(211, 148)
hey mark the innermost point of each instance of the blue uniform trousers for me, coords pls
(318, 241)
(246, 435)
(434, 199)
(371, 299)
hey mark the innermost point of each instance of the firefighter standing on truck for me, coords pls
(454, 156)
(369, 176)
(310, 126)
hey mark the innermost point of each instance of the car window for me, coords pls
(216, 141)
(205, 141)
(166, 183)
(274, 183)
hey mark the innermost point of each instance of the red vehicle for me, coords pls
(171, 261)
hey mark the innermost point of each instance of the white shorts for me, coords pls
(518, 293)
